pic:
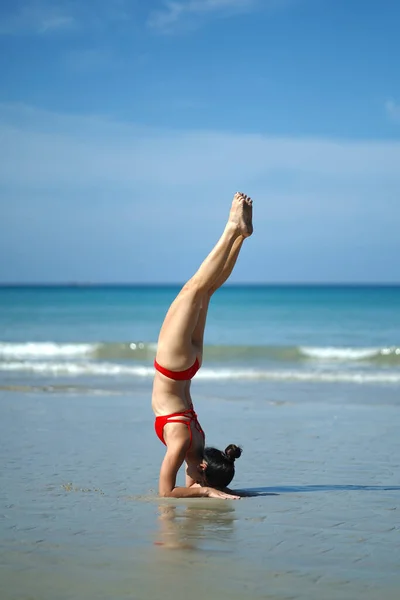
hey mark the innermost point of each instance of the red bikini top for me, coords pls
(179, 375)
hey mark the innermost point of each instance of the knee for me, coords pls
(211, 291)
(196, 286)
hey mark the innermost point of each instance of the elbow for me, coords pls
(166, 493)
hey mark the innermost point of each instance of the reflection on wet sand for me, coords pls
(192, 550)
(192, 527)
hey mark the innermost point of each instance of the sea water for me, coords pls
(306, 379)
(254, 333)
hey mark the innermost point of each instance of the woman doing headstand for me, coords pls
(179, 357)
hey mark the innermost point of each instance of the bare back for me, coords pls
(170, 396)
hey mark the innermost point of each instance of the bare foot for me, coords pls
(242, 213)
(248, 213)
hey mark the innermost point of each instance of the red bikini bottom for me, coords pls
(160, 423)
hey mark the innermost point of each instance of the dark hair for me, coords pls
(220, 468)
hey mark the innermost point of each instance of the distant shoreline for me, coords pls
(100, 285)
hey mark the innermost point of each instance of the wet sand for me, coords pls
(79, 516)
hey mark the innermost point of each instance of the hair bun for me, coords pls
(233, 452)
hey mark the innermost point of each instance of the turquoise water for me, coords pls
(320, 334)
(306, 380)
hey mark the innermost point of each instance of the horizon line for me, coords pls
(88, 284)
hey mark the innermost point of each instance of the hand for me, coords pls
(212, 493)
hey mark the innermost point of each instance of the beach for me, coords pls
(79, 511)
(80, 516)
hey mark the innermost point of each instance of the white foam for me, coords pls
(111, 370)
(311, 376)
(37, 350)
(344, 354)
(76, 369)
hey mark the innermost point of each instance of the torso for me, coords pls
(170, 396)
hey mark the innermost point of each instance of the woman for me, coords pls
(179, 357)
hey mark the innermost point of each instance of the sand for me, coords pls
(80, 518)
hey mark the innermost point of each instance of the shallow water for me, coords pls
(79, 516)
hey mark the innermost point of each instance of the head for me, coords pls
(217, 467)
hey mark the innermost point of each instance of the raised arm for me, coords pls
(171, 464)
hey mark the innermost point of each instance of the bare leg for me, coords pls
(198, 333)
(176, 347)
(230, 263)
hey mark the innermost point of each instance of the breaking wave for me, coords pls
(237, 362)
(144, 351)
(106, 369)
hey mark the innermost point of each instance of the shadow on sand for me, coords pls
(300, 489)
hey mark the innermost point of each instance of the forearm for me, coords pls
(198, 492)
(187, 492)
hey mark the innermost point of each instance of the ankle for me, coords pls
(232, 229)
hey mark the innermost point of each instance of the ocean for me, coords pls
(305, 378)
(97, 334)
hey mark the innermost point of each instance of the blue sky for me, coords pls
(126, 126)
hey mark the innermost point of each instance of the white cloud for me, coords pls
(51, 23)
(42, 149)
(393, 110)
(166, 18)
(37, 18)
(83, 196)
